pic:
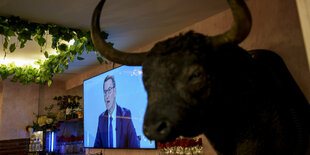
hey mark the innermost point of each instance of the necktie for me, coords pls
(111, 133)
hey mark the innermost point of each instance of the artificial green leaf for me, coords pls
(104, 34)
(6, 42)
(56, 68)
(11, 72)
(80, 58)
(14, 79)
(40, 40)
(110, 44)
(12, 47)
(67, 37)
(72, 57)
(29, 76)
(39, 62)
(43, 77)
(1, 29)
(10, 33)
(55, 60)
(84, 39)
(63, 47)
(11, 65)
(80, 47)
(37, 80)
(24, 35)
(18, 72)
(100, 59)
(97, 54)
(55, 41)
(52, 56)
(66, 61)
(24, 30)
(60, 70)
(4, 75)
(88, 47)
(72, 48)
(22, 44)
(73, 52)
(46, 54)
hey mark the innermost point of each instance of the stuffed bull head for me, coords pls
(208, 84)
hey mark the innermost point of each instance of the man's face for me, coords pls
(109, 94)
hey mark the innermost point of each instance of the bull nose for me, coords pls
(160, 129)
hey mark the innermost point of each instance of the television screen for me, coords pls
(114, 106)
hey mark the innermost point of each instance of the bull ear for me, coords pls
(130, 59)
(241, 26)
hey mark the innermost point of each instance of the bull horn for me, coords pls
(130, 59)
(241, 26)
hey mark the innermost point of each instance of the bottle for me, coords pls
(30, 146)
(35, 145)
(38, 145)
(62, 148)
(65, 150)
(41, 145)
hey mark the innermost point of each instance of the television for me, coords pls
(130, 96)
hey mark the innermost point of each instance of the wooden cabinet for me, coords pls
(70, 137)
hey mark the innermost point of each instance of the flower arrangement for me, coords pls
(182, 146)
(69, 105)
(43, 122)
(67, 101)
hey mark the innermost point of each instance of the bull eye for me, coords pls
(195, 76)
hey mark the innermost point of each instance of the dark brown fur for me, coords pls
(244, 102)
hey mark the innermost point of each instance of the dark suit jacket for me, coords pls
(126, 136)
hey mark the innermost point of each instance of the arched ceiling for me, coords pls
(130, 23)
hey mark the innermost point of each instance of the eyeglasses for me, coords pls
(108, 91)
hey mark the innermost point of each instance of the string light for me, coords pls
(23, 62)
(71, 42)
(19, 62)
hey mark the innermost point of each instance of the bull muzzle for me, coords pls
(159, 131)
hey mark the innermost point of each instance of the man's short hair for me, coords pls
(108, 78)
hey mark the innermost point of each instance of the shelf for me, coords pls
(72, 120)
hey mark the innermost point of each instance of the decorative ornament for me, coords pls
(187, 146)
(54, 64)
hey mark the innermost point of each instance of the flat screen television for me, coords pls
(130, 96)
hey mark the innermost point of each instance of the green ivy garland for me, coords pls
(25, 31)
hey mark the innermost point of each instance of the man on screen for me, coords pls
(115, 127)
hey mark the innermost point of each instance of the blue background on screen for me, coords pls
(130, 94)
